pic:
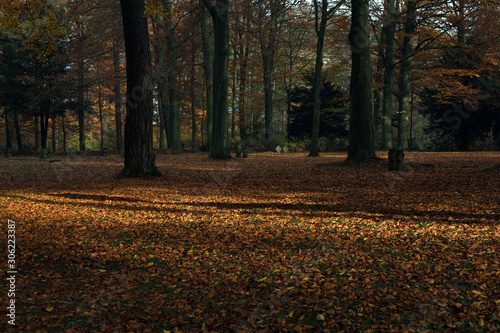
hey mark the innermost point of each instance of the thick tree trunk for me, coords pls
(219, 148)
(208, 68)
(139, 156)
(390, 30)
(19, 137)
(361, 141)
(117, 98)
(404, 81)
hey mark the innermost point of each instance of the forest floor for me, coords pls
(270, 243)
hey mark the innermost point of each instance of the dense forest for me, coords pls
(258, 73)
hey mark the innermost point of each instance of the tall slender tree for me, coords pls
(404, 80)
(139, 156)
(322, 15)
(390, 31)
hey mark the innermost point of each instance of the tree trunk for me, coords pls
(44, 123)
(193, 97)
(233, 100)
(81, 106)
(361, 142)
(54, 139)
(139, 156)
(117, 98)
(37, 134)
(243, 87)
(63, 132)
(101, 120)
(390, 31)
(19, 137)
(268, 63)
(174, 124)
(320, 28)
(320, 34)
(208, 68)
(219, 148)
(404, 81)
(8, 130)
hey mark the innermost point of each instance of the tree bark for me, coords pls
(54, 139)
(44, 122)
(117, 98)
(81, 105)
(8, 130)
(174, 124)
(208, 69)
(101, 120)
(404, 81)
(63, 127)
(139, 156)
(37, 133)
(243, 86)
(19, 137)
(193, 97)
(268, 53)
(390, 31)
(219, 148)
(361, 140)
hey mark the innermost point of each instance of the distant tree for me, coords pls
(139, 156)
(333, 113)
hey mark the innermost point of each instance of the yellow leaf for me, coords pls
(49, 308)
(320, 317)
(263, 279)
(290, 314)
(481, 322)
(150, 264)
(102, 270)
(497, 301)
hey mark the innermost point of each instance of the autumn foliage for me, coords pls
(275, 242)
